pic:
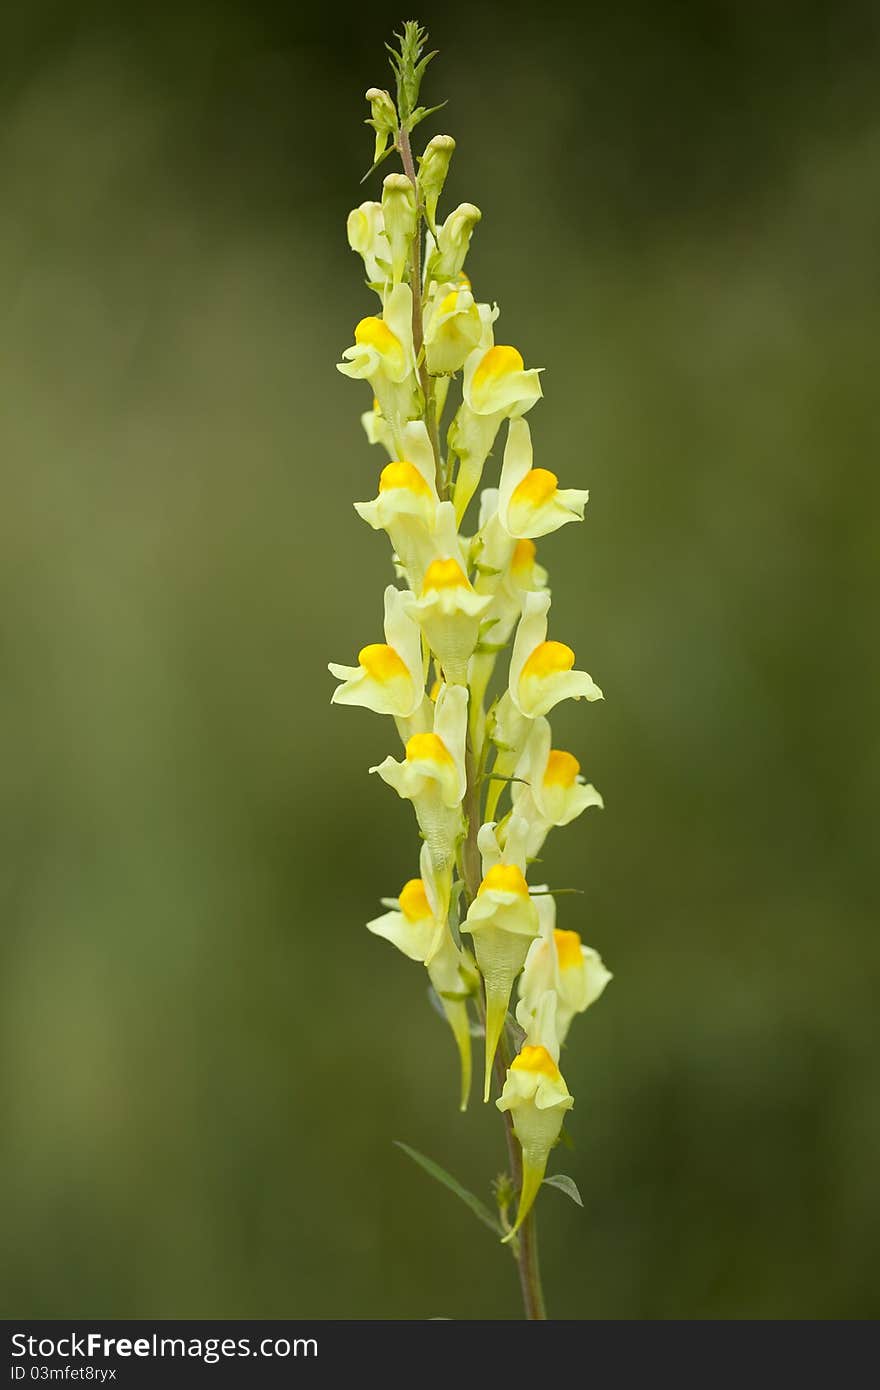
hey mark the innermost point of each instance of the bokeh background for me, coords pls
(204, 1055)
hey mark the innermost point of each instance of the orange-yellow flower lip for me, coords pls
(495, 363)
(374, 332)
(548, 658)
(382, 662)
(413, 901)
(534, 1059)
(402, 474)
(536, 488)
(504, 878)
(562, 769)
(524, 553)
(444, 574)
(568, 949)
(428, 748)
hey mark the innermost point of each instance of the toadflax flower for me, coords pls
(433, 776)
(551, 790)
(541, 672)
(407, 502)
(503, 920)
(559, 962)
(466, 668)
(496, 385)
(447, 607)
(384, 355)
(530, 502)
(538, 1099)
(390, 676)
(417, 925)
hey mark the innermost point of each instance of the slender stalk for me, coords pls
(425, 380)
(527, 1246)
(526, 1250)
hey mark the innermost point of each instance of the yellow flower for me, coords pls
(541, 672)
(496, 379)
(538, 1099)
(503, 921)
(530, 502)
(389, 677)
(447, 608)
(383, 355)
(417, 925)
(496, 386)
(453, 328)
(552, 790)
(559, 961)
(407, 502)
(433, 776)
(366, 236)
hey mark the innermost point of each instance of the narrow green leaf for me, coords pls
(566, 1185)
(480, 1211)
(381, 160)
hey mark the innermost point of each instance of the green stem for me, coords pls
(425, 381)
(526, 1250)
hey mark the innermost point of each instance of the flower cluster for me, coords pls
(465, 596)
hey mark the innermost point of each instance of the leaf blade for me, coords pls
(567, 1185)
(479, 1209)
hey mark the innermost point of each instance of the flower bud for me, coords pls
(433, 168)
(383, 119)
(453, 240)
(400, 212)
(365, 229)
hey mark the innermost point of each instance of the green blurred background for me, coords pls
(204, 1055)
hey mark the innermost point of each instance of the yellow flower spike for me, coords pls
(472, 597)
(538, 1099)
